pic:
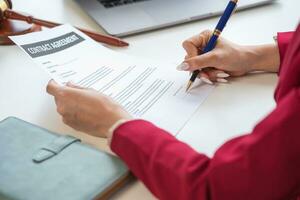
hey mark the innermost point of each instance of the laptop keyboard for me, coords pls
(114, 3)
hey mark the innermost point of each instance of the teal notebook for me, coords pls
(36, 164)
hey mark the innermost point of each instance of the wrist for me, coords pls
(112, 129)
(261, 57)
(115, 114)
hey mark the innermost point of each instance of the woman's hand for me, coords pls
(227, 59)
(86, 110)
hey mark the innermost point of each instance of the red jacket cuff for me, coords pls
(130, 132)
(283, 40)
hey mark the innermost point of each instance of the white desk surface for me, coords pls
(232, 109)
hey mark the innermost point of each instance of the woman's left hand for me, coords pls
(86, 110)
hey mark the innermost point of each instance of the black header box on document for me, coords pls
(53, 45)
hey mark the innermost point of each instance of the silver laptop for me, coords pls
(126, 17)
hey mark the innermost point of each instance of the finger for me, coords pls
(53, 88)
(218, 76)
(201, 39)
(215, 74)
(206, 74)
(205, 78)
(195, 44)
(190, 49)
(222, 80)
(198, 62)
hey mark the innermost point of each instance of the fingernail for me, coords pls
(222, 80)
(206, 80)
(222, 75)
(72, 84)
(183, 66)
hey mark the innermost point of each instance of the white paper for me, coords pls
(147, 89)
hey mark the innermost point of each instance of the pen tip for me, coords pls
(123, 43)
(188, 86)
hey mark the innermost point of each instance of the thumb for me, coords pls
(198, 62)
(53, 88)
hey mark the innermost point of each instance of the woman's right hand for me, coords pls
(227, 58)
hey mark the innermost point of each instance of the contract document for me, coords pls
(147, 89)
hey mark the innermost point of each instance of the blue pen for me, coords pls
(213, 39)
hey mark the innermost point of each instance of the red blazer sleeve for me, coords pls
(290, 63)
(243, 168)
(283, 41)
